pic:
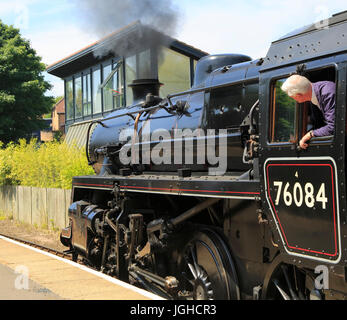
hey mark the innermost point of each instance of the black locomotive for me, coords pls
(247, 213)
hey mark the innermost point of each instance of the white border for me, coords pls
(177, 193)
(337, 207)
(92, 187)
(84, 268)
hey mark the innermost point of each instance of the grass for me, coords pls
(4, 217)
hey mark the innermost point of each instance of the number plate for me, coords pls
(303, 198)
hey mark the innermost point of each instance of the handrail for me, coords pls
(161, 105)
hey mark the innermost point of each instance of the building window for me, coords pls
(130, 75)
(107, 88)
(78, 97)
(118, 86)
(69, 100)
(139, 66)
(283, 115)
(87, 95)
(173, 72)
(96, 91)
(195, 62)
(113, 88)
(144, 65)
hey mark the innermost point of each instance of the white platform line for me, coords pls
(94, 272)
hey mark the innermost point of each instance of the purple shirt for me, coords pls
(325, 92)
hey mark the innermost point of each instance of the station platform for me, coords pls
(57, 278)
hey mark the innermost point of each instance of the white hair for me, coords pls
(296, 84)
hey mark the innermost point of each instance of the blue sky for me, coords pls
(222, 26)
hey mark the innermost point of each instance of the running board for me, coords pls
(204, 186)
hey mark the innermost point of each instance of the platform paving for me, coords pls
(63, 279)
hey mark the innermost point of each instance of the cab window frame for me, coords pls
(301, 113)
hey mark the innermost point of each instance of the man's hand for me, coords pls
(303, 142)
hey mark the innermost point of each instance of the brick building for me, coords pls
(58, 116)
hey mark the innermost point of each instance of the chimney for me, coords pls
(142, 87)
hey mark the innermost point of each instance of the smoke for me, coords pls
(103, 17)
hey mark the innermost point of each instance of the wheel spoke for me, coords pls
(197, 269)
(192, 271)
(284, 295)
(292, 292)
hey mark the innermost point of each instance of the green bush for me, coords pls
(49, 165)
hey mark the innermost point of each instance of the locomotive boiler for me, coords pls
(183, 111)
(206, 194)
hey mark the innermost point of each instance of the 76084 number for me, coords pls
(300, 194)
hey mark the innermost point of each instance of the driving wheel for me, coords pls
(207, 269)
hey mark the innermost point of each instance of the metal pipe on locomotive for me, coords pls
(268, 227)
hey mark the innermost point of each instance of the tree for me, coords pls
(22, 87)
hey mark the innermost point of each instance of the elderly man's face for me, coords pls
(301, 98)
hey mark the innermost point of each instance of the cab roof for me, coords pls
(320, 39)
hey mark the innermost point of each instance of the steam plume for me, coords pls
(103, 17)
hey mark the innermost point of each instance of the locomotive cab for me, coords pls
(304, 190)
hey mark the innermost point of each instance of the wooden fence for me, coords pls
(46, 208)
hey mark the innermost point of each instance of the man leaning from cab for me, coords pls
(322, 95)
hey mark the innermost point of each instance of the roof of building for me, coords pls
(59, 107)
(87, 57)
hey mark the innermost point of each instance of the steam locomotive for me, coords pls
(206, 194)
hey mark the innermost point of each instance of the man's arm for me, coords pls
(327, 104)
(303, 142)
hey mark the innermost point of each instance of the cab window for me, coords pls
(283, 115)
(289, 120)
